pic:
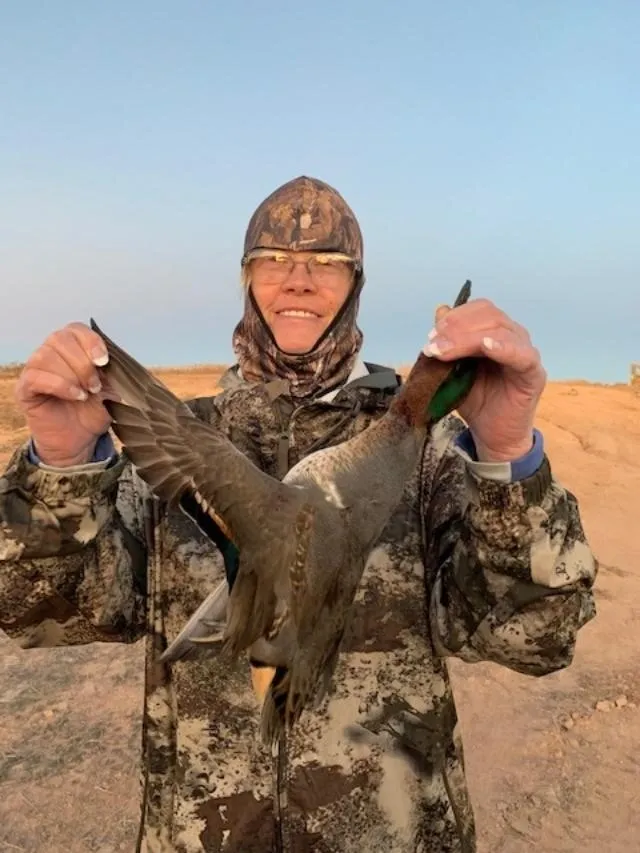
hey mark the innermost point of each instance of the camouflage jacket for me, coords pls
(471, 564)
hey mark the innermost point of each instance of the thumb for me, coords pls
(441, 310)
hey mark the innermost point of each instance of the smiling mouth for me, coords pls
(305, 315)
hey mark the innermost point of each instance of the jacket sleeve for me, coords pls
(72, 552)
(510, 567)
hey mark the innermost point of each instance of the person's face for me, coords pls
(299, 294)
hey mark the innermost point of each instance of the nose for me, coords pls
(299, 279)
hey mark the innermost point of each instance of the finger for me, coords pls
(36, 382)
(467, 343)
(441, 311)
(459, 336)
(511, 352)
(48, 359)
(68, 346)
(90, 342)
(478, 315)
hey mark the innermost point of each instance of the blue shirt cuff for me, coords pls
(104, 450)
(510, 472)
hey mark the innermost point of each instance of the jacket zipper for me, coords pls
(280, 750)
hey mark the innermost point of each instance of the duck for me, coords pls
(298, 546)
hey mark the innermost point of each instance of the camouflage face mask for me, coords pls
(309, 374)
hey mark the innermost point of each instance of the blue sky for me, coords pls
(497, 141)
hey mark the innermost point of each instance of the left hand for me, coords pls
(500, 409)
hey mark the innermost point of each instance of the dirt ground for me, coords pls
(553, 763)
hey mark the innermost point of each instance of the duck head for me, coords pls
(435, 388)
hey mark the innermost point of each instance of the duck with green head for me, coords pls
(299, 545)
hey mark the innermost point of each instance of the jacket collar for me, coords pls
(363, 375)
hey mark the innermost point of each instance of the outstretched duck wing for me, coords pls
(177, 454)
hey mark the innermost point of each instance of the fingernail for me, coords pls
(432, 334)
(438, 346)
(95, 386)
(491, 343)
(79, 393)
(99, 356)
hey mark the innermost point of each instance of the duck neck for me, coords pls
(411, 404)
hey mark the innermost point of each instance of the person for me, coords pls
(484, 559)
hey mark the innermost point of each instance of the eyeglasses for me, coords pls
(325, 268)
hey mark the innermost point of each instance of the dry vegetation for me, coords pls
(553, 763)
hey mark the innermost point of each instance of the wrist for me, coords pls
(57, 459)
(504, 453)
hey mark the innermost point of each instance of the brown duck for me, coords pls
(302, 543)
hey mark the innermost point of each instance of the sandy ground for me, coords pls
(553, 763)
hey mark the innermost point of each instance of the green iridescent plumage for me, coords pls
(458, 384)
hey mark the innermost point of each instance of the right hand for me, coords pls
(60, 395)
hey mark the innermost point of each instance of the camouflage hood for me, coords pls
(304, 214)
